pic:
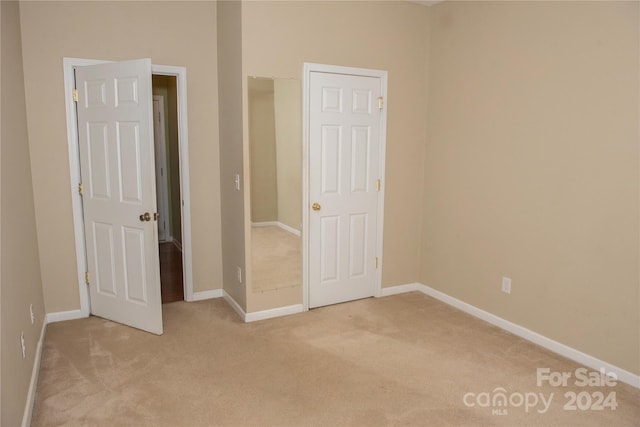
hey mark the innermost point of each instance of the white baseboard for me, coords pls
(400, 289)
(33, 384)
(289, 229)
(265, 224)
(229, 299)
(202, 295)
(274, 312)
(278, 224)
(548, 343)
(61, 316)
(264, 314)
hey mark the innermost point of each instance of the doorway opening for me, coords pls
(167, 159)
(179, 75)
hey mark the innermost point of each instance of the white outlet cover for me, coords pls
(506, 285)
(22, 345)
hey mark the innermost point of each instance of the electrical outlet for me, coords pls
(506, 285)
(33, 316)
(239, 275)
(22, 345)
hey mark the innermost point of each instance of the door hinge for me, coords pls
(376, 262)
(80, 189)
(86, 278)
(380, 103)
(75, 95)
(378, 184)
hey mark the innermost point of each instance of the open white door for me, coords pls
(115, 134)
(344, 153)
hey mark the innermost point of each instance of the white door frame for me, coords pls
(74, 173)
(306, 77)
(162, 193)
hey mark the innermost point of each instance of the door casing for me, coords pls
(74, 174)
(308, 68)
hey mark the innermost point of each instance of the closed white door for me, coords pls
(115, 135)
(344, 142)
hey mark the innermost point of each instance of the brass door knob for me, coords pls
(315, 206)
(145, 217)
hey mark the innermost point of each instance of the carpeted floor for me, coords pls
(401, 360)
(276, 259)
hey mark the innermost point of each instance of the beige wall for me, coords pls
(117, 31)
(262, 154)
(524, 163)
(278, 37)
(230, 83)
(20, 281)
(531, 168)
(287, 100)
(1, 37)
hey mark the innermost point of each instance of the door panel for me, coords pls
(130, 167)
(104, 258)
(115, 137)
(344, 126)
(99, 180)
(358, 245)
(135, 279)
(329, 247)
(330, 161)
(360, 161)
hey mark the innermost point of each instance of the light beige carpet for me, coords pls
(276, 259)
(400, 360)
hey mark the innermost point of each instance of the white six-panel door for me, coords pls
(344, 143)
(115, 134)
